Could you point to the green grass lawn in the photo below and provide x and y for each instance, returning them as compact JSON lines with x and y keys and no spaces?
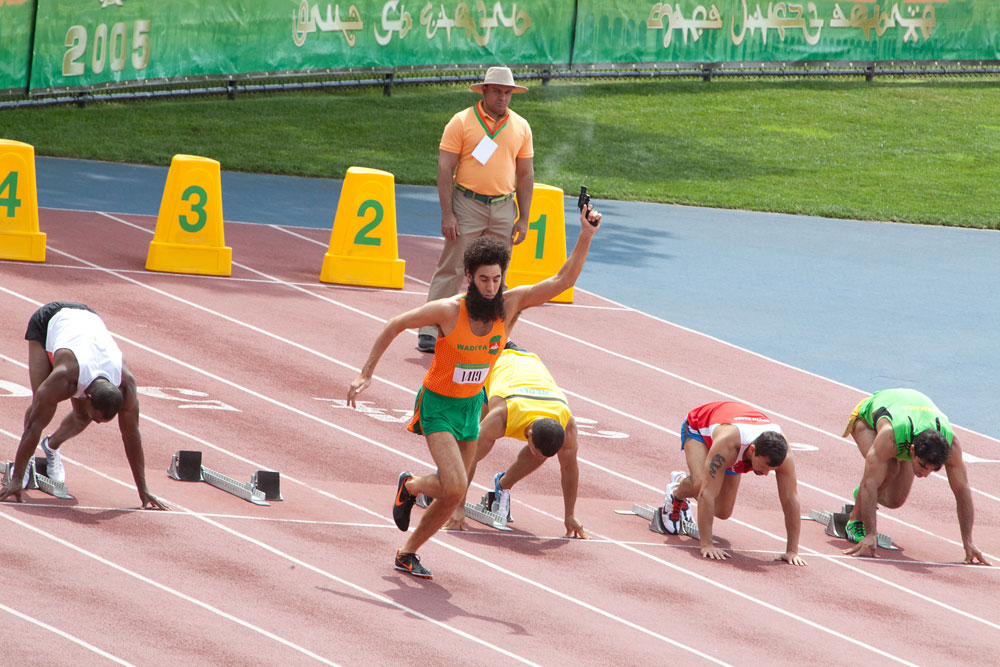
{"x":914,"y":150}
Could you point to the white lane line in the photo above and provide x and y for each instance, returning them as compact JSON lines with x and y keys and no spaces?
{"x":732,"y":591}
{"x":861,"y":393}
{"x":349,"y":503}
{"x":412,"y":392}
{"x":61,"y":633}
{"x":372,"y":513}
{"x":208,"y":310}
{"x":191,"y":277}
{"x":207,"y":518}
{"x":622,"y":476}
{"x":325,"y":422}
{"x":361,"y":508}
{"x":491,"y":565}
{"x":580,"y":341}
{"x":485,"y":533}
{"x":618,"y":306}
{"x":167,"y":589}
{"x":380,"y":598}
{"x":169,"y":515}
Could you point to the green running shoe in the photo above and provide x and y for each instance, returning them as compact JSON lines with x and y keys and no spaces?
{"x":855,"y":531}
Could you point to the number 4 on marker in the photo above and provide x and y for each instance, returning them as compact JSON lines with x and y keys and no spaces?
{"x":11,"y":202}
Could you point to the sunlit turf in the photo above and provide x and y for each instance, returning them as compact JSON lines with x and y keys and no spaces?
{"x":915,"y":150}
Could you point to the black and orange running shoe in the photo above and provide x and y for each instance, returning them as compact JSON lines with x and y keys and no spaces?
{"x":404,"y":503}
{"x":410,"y":564}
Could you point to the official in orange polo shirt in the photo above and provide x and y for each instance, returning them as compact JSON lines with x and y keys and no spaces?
{"x":485,"y":177}
{"x":472,"y":332}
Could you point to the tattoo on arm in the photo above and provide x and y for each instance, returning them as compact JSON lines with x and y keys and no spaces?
{"x":717,"y":462}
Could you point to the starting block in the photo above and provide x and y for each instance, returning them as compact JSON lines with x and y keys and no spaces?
{"x":37,"y":479}
{"x":651,"y":514}
{"x":483,"y":512}
{"x":264,"y":485}
{"x":836,"y":525}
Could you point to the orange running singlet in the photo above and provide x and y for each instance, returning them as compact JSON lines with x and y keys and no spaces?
{"x":462,"y":360}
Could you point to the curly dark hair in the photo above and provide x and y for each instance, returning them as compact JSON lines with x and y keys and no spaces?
{"x":485,"y":251}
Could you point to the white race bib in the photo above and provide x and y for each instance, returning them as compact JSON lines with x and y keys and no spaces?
{"x":470,"y":373}
{"x":484,"y":151}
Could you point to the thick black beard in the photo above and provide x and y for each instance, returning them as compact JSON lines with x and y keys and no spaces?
{"x":483,"y":309}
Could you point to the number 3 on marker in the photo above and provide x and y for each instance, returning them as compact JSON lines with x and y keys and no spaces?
{"x":197,"y":207}
{"x":362,"y":238}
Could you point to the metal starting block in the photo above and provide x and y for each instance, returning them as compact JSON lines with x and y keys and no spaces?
{"x":651,"y":514}
{"x":836,"y":525}
{"x":483,"y":512}
{"x":37,"y":479}
{"x":264,"y":485}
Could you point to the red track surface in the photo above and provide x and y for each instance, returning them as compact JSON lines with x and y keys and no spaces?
{"x":219,"y":581}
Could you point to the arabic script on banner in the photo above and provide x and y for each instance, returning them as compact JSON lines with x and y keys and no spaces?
{"x":917,"y":18}
{"x":478,"y":22}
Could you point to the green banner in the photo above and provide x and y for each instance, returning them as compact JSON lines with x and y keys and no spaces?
{"x":15,"y":42}
{"x":639,"y":31}
{"x":82,"y":43}
{"x":88,"y":42}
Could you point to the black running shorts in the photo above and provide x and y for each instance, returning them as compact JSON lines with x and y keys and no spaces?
{"x":38,"y":325}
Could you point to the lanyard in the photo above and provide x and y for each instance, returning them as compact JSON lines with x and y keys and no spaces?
{"x":483,"y":123}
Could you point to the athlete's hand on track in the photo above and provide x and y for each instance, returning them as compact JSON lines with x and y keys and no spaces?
{"x":455,"y":523}
{"x":575,"y":529}
{"x":359,"y":385}
{"x":866,"y":547}
{"x":714,"y":553}
{"x":12,"y":489}
{"x":972,"y":554}
{"x":149,"y":501}
{"x":792,"y":558}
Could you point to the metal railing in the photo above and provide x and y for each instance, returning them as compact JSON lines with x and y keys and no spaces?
{"x":387,"y":78}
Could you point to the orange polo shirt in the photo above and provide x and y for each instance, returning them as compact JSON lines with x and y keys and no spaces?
{"x":497,"y":177}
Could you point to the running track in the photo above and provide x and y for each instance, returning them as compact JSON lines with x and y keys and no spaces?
{"x":253,"y":370}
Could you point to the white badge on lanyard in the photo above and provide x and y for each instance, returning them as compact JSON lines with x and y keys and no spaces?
{"x":484,"y":151}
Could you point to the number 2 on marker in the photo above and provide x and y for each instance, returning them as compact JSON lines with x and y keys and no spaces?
{"x":362,"y":238}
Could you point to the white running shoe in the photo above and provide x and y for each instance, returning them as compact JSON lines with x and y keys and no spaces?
{"x":675,"y":510}
{"x":501,"y":503}
{"x":668,"y":495}
{"x":54,"y":468}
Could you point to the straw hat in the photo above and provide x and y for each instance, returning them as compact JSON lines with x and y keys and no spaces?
{"x":498,"y":76}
